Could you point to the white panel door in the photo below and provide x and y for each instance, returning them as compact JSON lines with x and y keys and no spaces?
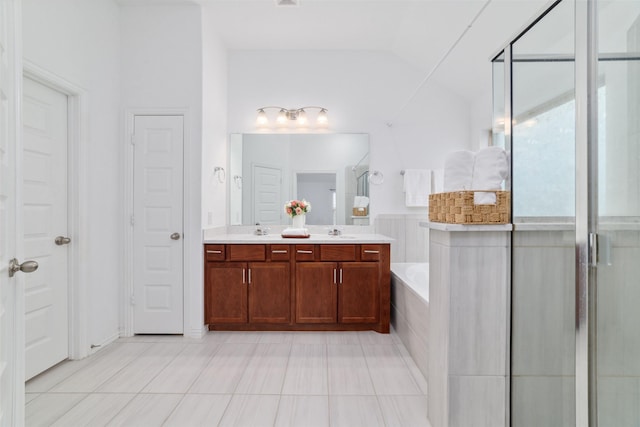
{"x":11,"y":318}
{"x":157,"y":225}
{"x":267,"y":194}
{"x":44,"y":192}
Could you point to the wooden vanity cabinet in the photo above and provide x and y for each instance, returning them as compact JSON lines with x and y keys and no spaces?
{"x":225,"y":292}
{"x":241,"y":292}
{"x":297,"y":287}
{"x":338,"y":284}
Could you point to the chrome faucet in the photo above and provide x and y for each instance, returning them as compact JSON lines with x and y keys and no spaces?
{"x":335,"y":231}
{"x":261,"y":230}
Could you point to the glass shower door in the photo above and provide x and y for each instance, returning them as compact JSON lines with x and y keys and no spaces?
{"x":543,"y":246}
{"x":618,"y":267}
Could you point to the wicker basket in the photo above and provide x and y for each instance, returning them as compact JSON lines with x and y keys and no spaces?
{"x":359,"y":211}
{"x":458,"y":208}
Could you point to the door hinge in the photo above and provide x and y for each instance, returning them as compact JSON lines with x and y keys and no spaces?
{"x":132,"y":220}
{"x":133,"y":139}
{"x":132,"y":300}
{"x":593,"y":249}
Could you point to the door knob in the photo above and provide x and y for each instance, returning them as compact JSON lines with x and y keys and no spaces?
{"x":61,"y":240}
{"x":25,"y":267}
{"x":175,"y":236}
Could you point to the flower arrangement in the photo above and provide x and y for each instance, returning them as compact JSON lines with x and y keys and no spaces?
{"x":297,"y":207}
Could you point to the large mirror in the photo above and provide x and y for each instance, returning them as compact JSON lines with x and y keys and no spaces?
{"x":330,"y":171}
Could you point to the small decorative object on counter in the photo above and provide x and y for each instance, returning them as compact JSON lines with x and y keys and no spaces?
{"x":297,"y":210}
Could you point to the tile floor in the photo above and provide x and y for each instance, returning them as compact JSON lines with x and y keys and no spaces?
{"x":304,"y":379}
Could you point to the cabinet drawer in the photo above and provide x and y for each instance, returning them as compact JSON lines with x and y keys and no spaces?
{"x":247,"y":252}
{"x":338,"y":252}
{"x":214,"y":252}
{"x":279,"y":252}
{"x":305,"y":252}
{"x":370,"y":252}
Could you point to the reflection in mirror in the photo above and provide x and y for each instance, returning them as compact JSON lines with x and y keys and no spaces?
{"x":330,"y":171}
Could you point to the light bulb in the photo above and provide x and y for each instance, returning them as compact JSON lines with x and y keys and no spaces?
{"x":302,"y":117}
{"x":262,"y":118}
{"x":282,"y":117}
{"x":322,"y":117}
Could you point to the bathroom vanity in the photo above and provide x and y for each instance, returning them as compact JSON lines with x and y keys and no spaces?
{"x":321,"y":283}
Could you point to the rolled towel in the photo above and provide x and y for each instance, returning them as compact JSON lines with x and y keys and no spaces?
{"x":490,"y":169}
{"x":458,"y":170}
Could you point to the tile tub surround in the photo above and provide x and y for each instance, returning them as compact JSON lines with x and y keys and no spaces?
{"x":411,"y":240}
{"x":410,"y":313}
{"x":468,"y":325}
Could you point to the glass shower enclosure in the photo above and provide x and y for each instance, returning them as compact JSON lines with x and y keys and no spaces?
{"x":567,"y":109}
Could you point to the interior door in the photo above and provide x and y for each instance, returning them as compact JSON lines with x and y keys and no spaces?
{"x":11,"y":301}
{"x":157,"y":223}
{"x":44,"y":190}
{"x":267,"y":194}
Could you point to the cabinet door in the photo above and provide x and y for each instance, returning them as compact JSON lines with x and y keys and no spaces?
{"x":269,"y":292}
{"x":226,"y":292}
{"x":358,"y":292}
{"x":316,"y":292}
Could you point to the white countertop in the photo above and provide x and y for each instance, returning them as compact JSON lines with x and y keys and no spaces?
{"x":312,"y":239}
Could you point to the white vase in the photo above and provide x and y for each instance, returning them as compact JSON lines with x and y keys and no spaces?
{"x":298,"y":221}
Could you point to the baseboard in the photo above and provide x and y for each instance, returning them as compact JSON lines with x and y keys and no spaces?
{"x":197,"y":333}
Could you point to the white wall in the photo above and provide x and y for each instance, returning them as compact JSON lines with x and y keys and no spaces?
{"x":214,"y":124}
{"x":79,"y":41}
{"x":162,"y":66}
{"x":363,"y":90}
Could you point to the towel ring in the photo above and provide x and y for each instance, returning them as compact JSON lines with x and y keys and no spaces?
{"x":376,"y":178}
{"x":220,"y":174}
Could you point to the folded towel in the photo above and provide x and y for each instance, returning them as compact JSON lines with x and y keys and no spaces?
{"x":360,"y":201}
{"x":295,"y":232}
{"x":417,"y":187}
{"x":458,"y":169}
{"x":490,"y":169}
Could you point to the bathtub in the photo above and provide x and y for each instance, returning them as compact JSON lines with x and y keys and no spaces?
{"x":410,"y":309}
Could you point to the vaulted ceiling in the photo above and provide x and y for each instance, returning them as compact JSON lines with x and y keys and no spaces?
{"x":450,"y":40}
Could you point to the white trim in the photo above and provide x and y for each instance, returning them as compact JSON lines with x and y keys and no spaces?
{"x":127,"y":191}
{"x":78,"y":118}
{"x":197,"y":332}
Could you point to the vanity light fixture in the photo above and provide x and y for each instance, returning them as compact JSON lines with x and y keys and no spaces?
{"x":287,"y":115}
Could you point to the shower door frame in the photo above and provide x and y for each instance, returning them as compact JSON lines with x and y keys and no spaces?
{"x":586,"y":187}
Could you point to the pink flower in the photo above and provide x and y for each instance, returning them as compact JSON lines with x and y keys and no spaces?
{"x":289,"y":210}
{"x":298,"y":210}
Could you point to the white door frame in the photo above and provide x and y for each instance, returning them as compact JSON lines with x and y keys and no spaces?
{"x":188,"y":239}
{"x":78,"y":192}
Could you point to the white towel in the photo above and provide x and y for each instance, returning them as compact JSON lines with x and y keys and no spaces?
{"x":360,"y":201}
{"x":295,"y":232}
{"x":490,"y":169}
{"x":438,"y":181}
{"x":417,"y":187}
{"x":458,"y":170}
